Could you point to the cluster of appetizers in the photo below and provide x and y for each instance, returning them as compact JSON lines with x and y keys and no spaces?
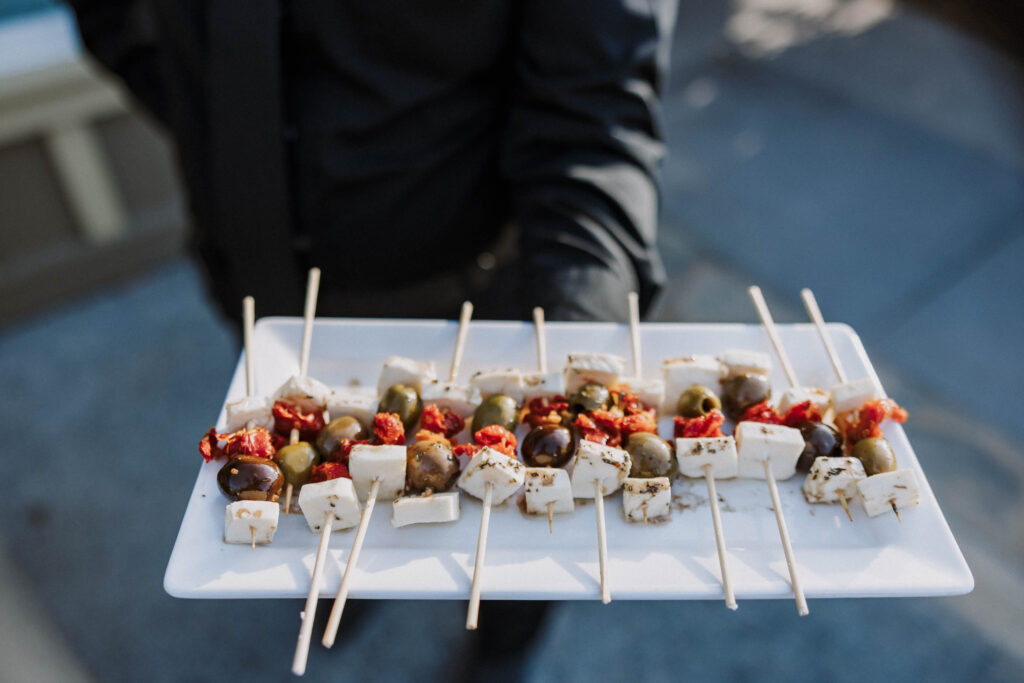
{"x":421,"y":439}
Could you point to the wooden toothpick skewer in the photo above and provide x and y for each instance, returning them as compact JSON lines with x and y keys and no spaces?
{"x":312,"y":289}
{"x":473,"y":613}
{"x":542,"y":345}
{"x":602,"y":542}
{"x":773,"y":334}
{"x":811,"y":304}
{"x":306,"y":631}
{"x":634,"y":331}
{"x":331,"y":632}
{"x":460,"y":339}
{"x":248,"y":322}
{"x":551,"y":521}
{"x":787,"y":547}
{"x":769,"y":327}
{"x":716,"y":520}
{"x":845,"y":503}
{"x":252,"y":533}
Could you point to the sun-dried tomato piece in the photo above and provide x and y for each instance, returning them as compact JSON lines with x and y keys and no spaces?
{"x":328,"y":470}
{"x":441,"y":421}
{"x":388,"y":429}
{"x":610,"y":423}
{"x":865,"y":421}
{"x":589,"y":431}
{"x":761,"y":412}
{"x":801,"y":413}
{"x":643,"y":421}
{"x":544,"y":410}
{"x":298,"y":412}
{"x":498,"y":438}
{"x":256,"y":441}
{"x":629,"y":403}
{"x":344,"y":450}
{"x":699,"y":427}
{"x":467,"y":449}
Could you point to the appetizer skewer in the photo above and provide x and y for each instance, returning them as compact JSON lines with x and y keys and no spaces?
{"x":309,"y":313}
{"x":547,"y":483}
{"x":885,"y":485}
{"x":647,"y":490}
{"x":819,"y":486}
{"x":769,"y":474}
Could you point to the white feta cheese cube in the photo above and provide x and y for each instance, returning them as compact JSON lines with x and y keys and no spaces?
{"x":548,"y":485}
{"x":488,"y":466}
{"x":337,"y":496}
{"x":583,"y":367}
{"x":304,"y":386}
{"x":651,"y":392}
{"x":401,"y":370}
{"x":757,"y":442}
{"x":606,"y":464}
{"x":679,"y":374}
{"x":746,"y":361}
{"x":879,"y":491}
{"x":647,"y":500}
{"x":508,"y":382}
{"x":254,"y":409}
{"x":246,"y":520}
{"x":455,"y":397}
{"x":717,"y":451}
{"x":358,"y":402}
{"x":852,"y":395}
{"x":436,"y":508}
{"x":386,"y":463}
{"x":538,"y":384}
{"x":794,"y":396}
{"x":829,"y":476}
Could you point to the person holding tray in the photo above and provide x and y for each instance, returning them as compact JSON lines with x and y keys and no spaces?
{"x":420,"y":154}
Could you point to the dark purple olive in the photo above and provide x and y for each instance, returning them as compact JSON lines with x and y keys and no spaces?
{"x":430,"y":465}
{"x":742,"y":391}
{"x":249,"y":477}
{"x":820,"y":440}
{"x":549,"y":446}
{"x":331,"y":436}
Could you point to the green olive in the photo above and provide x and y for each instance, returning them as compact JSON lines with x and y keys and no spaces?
{"x":296,"y":462}
{"x":430,"y":465}
{"x":496,"y":409}
{"x":739,"y":392}
{"x":651,"y":455}
{"x":344,"y":427}
{"x":589,"y":397}
{"x":875,"y":454}
{"x":697,"y":401}
{"x":403,"y":400}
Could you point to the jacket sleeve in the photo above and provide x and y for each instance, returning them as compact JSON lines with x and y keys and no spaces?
{"x":122,"y":36}
{"x":582,"y":149}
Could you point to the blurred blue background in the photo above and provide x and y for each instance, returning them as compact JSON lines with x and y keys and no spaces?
{"x":871,"y":150}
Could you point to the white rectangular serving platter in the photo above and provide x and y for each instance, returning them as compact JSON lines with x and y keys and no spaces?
{"x":878,"y":557}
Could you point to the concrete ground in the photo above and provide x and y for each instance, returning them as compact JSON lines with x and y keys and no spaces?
{"x":872,"y":154}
